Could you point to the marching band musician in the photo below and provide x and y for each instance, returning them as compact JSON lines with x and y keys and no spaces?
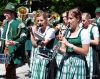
{"x":74,"y":48}
{"x":29,"y":22}
{"x":94,"y":37}
{"x":23,"y":16}
{"x":64,"y":24}
{"x":40,"y":58}
{"x":13,"y":40}
{"x":97,"y":13}
{"x":97,"y":55}
{"x":63,"y":29}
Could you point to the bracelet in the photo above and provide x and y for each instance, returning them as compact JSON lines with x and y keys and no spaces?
{"x":70,"y":45}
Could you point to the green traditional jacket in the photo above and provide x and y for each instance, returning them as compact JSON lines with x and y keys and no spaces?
{"x":17,"y":32}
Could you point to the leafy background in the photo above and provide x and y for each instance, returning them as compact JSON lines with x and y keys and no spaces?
{"x":54,"y":5}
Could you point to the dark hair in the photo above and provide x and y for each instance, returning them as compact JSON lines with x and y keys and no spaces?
{"x":11,"y":12}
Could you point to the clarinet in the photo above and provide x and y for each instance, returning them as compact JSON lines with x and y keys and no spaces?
{"x":67,"y":32}
{"x":66,"y":35}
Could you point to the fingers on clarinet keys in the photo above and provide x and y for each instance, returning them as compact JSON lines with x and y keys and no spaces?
{"x":39,"y":42}
{"x":29,"y":28}
{"x":60,"y":38}
{"x":70,"y":45}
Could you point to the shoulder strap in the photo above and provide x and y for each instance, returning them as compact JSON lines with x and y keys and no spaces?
{"x":80,"y":31}
{"x":91,"y":34}
{"x":91,"y":28}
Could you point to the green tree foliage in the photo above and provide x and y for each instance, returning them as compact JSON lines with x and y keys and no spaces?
{"x":59,"y":5}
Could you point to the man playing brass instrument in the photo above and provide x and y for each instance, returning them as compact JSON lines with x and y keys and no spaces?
{"x":22,"y":13}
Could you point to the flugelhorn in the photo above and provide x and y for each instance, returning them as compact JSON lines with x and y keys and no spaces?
{"x":54,"y":19}
{"x":22,"y":12}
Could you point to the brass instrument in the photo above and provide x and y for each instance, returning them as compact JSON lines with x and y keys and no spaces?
{"x":54,"y":19}
{"x":22,"y":12}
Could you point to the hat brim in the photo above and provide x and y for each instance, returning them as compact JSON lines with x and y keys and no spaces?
{"x":6,"y":10}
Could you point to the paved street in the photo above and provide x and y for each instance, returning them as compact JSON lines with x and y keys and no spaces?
{"x":22,"y":71}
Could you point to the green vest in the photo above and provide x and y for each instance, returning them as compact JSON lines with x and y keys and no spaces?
{"x":75,"y":41}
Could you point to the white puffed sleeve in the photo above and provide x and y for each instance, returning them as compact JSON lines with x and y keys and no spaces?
{"x":50,"y":34}
{"x":95,"y":31}
{"x":85,"y":36}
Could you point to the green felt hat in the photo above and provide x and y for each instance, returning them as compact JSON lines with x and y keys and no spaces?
{"x":10,"y":7}
{"x":97,"y":9}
